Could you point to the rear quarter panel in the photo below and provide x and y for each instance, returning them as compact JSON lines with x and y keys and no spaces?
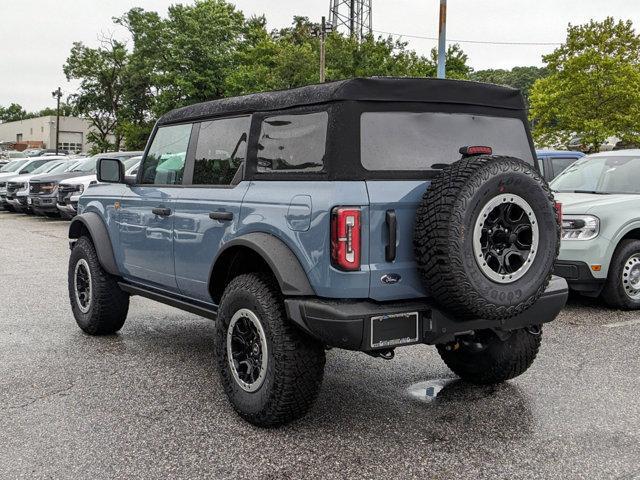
{"x":280,"y":207}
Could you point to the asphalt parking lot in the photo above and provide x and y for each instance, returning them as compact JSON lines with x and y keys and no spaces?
{"x":146,"y":403}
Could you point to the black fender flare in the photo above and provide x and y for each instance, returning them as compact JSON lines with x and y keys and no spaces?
{"x":93,"y":223}
{"x":281,"y":260}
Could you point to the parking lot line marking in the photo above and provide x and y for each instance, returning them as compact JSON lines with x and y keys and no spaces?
{"x":623,"y":324}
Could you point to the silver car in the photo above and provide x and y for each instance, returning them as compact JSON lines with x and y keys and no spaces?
{"x":600,"y":249}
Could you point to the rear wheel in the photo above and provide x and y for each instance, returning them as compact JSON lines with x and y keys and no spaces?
{"x":484,"y":358}
{"x":622,"y":288}
{"x":270,"y":370}
{"x":99,"y":306}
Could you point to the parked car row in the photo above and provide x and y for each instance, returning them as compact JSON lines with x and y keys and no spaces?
{"x":51,"y":185}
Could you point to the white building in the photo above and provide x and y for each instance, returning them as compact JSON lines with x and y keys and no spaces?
{"x":42,"y":131}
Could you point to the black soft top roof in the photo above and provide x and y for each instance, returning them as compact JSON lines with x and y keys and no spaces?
{"x":382,"y":89}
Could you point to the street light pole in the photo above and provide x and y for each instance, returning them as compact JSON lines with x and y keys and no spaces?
{"x":57,"y":94}
{"x":442,"y":39}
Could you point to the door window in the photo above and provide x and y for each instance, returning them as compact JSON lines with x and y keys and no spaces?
{"x":164,"y":163}
{"x":221,"y":151}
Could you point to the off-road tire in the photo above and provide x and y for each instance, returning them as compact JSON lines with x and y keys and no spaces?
{"x":109,"y":305}
{"x":295,"y":364}
{"x":613,"y":292}
{"x":443,"y":235}
{"x":501,"y":360}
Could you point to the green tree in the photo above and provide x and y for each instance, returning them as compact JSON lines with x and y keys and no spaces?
{"x":102,"y":73}
{"x":66,"y":110}
{"x":187,"y":55}
{"x":12,"y":113}
{"x":290,"y":58}
{"x":521,"y":78}
{"x":593,"y":87}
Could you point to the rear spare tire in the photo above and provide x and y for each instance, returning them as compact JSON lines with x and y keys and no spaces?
{"x":486,"y":237}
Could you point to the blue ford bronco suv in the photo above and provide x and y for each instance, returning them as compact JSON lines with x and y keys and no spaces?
{"x":365,"y":214}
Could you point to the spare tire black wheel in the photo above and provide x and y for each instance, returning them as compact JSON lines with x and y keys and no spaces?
{"x":486,"y":237}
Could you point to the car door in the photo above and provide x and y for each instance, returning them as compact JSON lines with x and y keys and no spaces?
{"x":145,"y":216}
{"x":207,"y":209}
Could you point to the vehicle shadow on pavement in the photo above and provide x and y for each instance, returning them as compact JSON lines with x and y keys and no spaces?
{"x":434,"y":410}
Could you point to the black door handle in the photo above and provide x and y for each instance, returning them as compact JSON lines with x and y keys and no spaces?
{"x":222,"y":216}
{"x":392,"y":225}
{"x":161,"y":211}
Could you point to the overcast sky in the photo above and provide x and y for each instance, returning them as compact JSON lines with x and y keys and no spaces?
{"x":36,"y":35}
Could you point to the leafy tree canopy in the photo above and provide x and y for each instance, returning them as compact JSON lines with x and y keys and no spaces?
{"x":209,"y":50}
{"x":521,"y":78}
{"x":15,"y":112}
{"x":593,"y":86}
{"x":102,"y":73}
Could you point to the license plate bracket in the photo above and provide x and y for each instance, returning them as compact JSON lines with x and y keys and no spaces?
{"x":394,"y":329}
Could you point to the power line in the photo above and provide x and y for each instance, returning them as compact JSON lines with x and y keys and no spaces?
{"x":483,"y":42}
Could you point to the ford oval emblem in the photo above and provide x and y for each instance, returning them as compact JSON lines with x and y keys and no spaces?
{"x":390,"y":278}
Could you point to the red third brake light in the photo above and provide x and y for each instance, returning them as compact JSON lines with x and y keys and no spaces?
{"x":345,"y":238}
{"x":475,"y":150}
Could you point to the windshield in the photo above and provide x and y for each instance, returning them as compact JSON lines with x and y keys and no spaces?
{"x":130,"y":162}
{"x":88,"y":165}
{"x":13,"y":166}
{"x":47,"y":167}
{"x":60,"y":167}
{"x":67,"y":166}
{"x":606,"y":174}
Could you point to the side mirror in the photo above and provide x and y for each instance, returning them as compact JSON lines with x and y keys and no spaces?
{"x":110,"y":170}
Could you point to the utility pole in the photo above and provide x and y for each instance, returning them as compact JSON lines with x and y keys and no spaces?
{"x":322,"y":34}
{"x":442,"y":40}
{"x":352,"y":18}
{"x":57,"y":94}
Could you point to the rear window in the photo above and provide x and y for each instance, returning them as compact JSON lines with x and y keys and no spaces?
{"x":418,"y":140}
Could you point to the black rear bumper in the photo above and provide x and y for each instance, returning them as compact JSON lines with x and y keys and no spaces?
{"x":348,"y":324}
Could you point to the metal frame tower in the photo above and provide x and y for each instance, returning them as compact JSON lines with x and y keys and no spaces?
{"x":354,"y":16}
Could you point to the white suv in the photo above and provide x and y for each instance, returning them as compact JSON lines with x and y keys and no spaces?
{"x":600,"y":250}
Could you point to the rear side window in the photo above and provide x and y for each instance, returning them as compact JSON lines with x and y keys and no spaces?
{"x":221,"y":151}
{"x":293,"y":143}
{"x":418,"y":140}
{"x":164,"y":164}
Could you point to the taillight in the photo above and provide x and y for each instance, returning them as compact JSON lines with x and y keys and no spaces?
{"x":558,"y":207}
{"x":345,"y":238}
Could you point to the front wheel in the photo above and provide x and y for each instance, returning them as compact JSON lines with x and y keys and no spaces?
{"x":99,"y":305}
{"x":484,"y":358}
{"x":270,"y":370}
{"x":622,"y":288}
